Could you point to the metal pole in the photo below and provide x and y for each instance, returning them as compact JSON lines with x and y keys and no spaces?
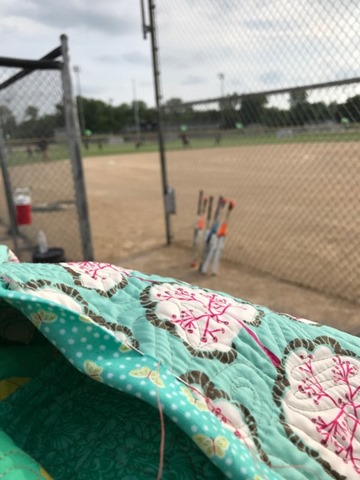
{"x":156,"y":73}
{"x":73,"y":134}
{"x":8,"y":193}
{"x":221,"y":77}
{"x":136,"y":112}
{"x":111,"y":102}
{"x":77,"y":71}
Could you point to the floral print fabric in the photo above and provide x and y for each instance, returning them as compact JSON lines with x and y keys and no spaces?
{"x":262,"y":395}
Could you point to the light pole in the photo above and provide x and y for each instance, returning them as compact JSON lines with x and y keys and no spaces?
{"x":221,"y":77}
{"x":81,"y":107}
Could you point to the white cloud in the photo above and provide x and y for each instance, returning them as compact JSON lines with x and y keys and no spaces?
{"x":258,"y":44}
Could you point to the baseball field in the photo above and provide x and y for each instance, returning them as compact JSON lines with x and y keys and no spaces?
{"x":297,"y":214}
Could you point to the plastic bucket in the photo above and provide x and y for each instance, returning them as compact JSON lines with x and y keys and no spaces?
{"x":53,"y":255}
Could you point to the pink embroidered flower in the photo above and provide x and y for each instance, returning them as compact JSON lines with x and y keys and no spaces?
{"x":322,"y":405}
{"x":203,"y":319}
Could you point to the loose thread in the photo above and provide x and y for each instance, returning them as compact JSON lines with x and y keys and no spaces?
{"x":162,"y":427}
{"x":254,"y":457}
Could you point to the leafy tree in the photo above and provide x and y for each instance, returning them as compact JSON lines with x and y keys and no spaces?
{"x":275,"y":117}
{"x":31,"y":113}
{"x":298,"y":97}
{"x":352,"y":106}
{"x":228,"y":107}
{"x":7,"y":120}
{"x":175,"y":106}
{"x":252,"y":109}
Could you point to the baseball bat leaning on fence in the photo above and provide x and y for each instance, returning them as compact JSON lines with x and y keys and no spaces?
{"x":207,"y":230}
{"x":208,"y":220}
{"x":199,"y":232}
{"x":211,"y":240}
{"x":198,"y":215}
{"x":196,"y":226}
{"x":221,"y":234}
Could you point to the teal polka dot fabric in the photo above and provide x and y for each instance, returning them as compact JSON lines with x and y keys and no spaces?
{"x":258,"y":395}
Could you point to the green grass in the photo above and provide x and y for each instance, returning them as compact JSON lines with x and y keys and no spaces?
{"x":226,"y":141}
{"x":58,"y":152}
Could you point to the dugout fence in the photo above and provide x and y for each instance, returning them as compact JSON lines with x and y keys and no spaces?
{"x":263,"y":98}
{"x":40,"y":153}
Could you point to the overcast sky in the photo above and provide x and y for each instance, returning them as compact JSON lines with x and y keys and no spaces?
{"x":256,"y":44}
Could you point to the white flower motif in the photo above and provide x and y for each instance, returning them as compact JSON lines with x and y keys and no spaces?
{"x":100,"y":276}
{"x":322,"y":406}
{"x":204,"y":320}
{"x":57,"y":297}
{"x":232,"y":419}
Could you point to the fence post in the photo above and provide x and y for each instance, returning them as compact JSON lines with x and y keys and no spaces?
{"x":73,"y":132}
{"x":156,"y":73}
{"x":8,"y":193}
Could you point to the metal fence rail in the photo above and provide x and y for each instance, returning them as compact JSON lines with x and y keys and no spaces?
{"x":264,"y":97}
{"x":41,"y":153}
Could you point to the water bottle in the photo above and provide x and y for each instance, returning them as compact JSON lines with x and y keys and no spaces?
{"x":42,"y":242}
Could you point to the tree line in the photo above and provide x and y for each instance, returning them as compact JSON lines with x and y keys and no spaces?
{"x":99,"y":117}
{"x":254,"y":110}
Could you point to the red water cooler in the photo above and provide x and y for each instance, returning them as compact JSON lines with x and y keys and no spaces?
{"x":22,"y":200}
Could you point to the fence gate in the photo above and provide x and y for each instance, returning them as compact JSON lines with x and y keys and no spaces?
{"x":40,"y":153}
{"x":261,"y":104}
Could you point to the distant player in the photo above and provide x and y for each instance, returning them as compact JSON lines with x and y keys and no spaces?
{"x":43,"y":147}
{"x":185,"y":140}
{"x":217,"y":139}
{"x":29,"y":151}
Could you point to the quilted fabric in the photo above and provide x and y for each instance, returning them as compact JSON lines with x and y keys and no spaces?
{"x":15,"y":464}
{"x":84,"y":430}
{"x":263,"y":395}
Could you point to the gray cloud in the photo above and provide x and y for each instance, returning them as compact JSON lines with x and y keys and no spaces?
{"x":179,"y":61}
{"x":89,"y":90}
{"x":106,"y":16}
{"x":146,"y":83}
{"x":271,"y":78}
{"x":266,"y":25}
{"x":257,"y":45}
{"x":106,"y":58}
{"x":347,"y":72}
{"x":137,"y":58}
{"x":193,"y":80}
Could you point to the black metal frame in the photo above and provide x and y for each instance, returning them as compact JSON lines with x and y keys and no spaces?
{"x":44,"y":63}
{"x":50,"y":62}
{"x":168,"y":193}
{"x":242,"y":96}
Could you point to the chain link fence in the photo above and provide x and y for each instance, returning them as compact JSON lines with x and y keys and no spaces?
{"x":264,"y":99}
{"x":38,"y":164}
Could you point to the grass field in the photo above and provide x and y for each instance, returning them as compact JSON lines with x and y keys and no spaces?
{"x":18,"y":156}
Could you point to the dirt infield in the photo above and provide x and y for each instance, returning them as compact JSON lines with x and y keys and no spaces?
{"x":125,"y":204}
{"x":298,"y":208}
{"x":297,"y":217}
{"x":297,"y":213}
